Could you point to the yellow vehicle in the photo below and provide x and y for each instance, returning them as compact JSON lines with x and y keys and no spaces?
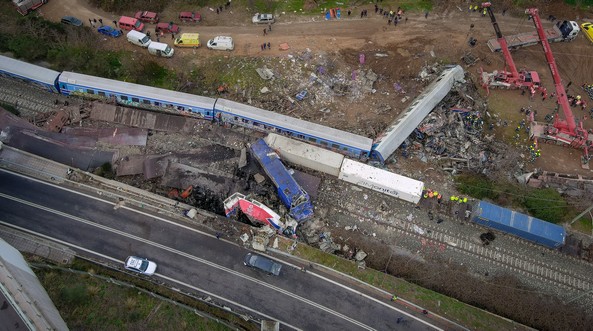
{"x":588,"y":30}
{"x":188,"y":40}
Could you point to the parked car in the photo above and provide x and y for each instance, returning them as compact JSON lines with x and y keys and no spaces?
{"x":140,"y":265}
{"x":109,"y":31}
{"x":147,"y":17}
{"x":588,"y":30}
{"x":222,"y":43}
{"x":262,"y":263}
{"x":190,"y":17}
{"x":71,"y":20}
{"x":263,"y":18}
{"x":167,"y":27}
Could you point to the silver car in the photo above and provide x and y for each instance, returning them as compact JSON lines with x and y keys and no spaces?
{"x":262,"y":263}
{"x":263,"y":18}
{"x":140,"y":265}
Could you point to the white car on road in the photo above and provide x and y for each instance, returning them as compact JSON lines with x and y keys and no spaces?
{"x":140,"y":265}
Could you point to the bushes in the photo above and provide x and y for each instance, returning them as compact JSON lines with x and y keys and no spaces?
{"x":546,"y":204}
{"x":476,"y":186}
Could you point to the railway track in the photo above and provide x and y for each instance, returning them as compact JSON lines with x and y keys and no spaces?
{"x":26,"y":99}
{"x":511,"y":260}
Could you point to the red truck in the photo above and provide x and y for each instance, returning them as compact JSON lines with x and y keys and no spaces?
{"x":147,"y":17}
{"x":26,"y":6}
{"x":189,"y":17}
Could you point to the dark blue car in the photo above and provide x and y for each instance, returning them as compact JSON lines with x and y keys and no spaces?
{"x":109,"y":31}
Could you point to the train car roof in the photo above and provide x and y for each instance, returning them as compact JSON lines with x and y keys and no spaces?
{"x":27,"y":70}
{"x":141,"y":91}
{"x":294,"y":124}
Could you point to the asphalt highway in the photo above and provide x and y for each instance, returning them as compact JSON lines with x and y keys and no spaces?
{"x":193,"y":260}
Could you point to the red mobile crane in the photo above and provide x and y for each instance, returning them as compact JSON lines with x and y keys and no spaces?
{"x":507,"y":79}
{"x":564,"y":131}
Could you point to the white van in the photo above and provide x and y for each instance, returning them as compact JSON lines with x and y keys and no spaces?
{"x":138,"y":38}
{"x":160,"y":49}
{"x":222,"y":43}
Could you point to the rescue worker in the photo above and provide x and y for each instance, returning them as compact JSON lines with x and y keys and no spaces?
{"x":464,"y":200}
{"x":439,"y":198}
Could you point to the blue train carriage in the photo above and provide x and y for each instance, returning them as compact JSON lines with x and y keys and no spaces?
{"x":520,"y":225}
{"x":290,"y":192}
{"x":34,"y":75}
{"x":262,"y":120}
{"x":135,"y":95}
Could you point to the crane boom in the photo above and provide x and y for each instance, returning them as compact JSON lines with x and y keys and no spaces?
{"x":503,"y":78}
{"x":503,"y":42}
{"x":568,"y":125}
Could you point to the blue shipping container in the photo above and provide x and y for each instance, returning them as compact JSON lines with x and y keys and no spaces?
{"x":521,"y":225}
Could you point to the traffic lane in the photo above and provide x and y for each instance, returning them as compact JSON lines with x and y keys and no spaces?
{"x":230,"y":285}
{"x":195,"y":243}
{"x":85,"y":205}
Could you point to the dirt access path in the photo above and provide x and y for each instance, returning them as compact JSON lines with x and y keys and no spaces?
{"x":417,"y":42}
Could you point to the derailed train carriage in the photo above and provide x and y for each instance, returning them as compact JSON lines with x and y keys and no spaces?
{"x":212,"y":109}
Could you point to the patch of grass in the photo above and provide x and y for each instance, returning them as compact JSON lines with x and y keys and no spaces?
{"x":476,"y":186}
{"x":583,"y":225}
{"x":236,"y":72}
{"x":11,"y":109}
{"x":90,"y":303}
{"x":451,"y":308}
{"x":579,"y":3}
{"x":546,"y":204}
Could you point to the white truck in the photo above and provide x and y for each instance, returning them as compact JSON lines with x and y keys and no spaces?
{"x":138,"y":38}
{"x":160,"y":49}
{"x":561,"y":31}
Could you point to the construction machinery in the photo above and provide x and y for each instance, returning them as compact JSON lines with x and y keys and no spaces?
{"x":512,"y":79}
{"x":563,"y":131}
{"x":561,"y":31}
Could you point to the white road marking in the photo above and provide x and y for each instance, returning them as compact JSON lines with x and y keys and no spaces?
{"x":172,"y":250}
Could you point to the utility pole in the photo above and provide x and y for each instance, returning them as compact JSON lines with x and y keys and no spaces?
{"x":581,"y":214}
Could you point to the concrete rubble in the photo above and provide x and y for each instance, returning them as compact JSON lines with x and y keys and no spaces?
{"x":455,"y":135}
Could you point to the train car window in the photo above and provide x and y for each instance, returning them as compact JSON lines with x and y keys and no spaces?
{"x":236,"y":118}
{"x":101,"y":93}
{"x":146,"y":102}
{"x":135,"y":100}
{"x":180,"y":108}
{"x":124,"y":98}
{"x":244,"y":120}
{"x":255,"y":124}
{"x":300,"y":136}
{"x":324,"y":143}
{"x":89,"y":91}
{"x":156,"y":103}
{"x":207,"y":113}
{"x":312,"y":139}
{"x":63,"y":86}
{"x":335,"y":146}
